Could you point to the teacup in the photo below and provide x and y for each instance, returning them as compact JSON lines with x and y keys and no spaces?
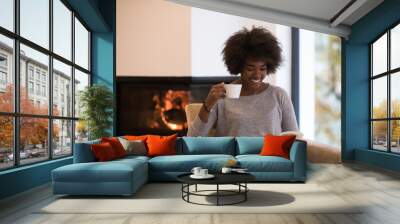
{"x":196,"y":170}
{"x":203,"y":172}
{"x":226,"y":170}
{"x":232,"y":90}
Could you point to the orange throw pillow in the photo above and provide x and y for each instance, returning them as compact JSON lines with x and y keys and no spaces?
{"x":116,"y":145}
{"x":277,"y":145}
{"x":161,"y":145}
{"x":135,"y":138}
{"x":103,"y":152}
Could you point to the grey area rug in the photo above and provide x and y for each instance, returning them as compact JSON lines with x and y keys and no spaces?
{"x":166,"y":198}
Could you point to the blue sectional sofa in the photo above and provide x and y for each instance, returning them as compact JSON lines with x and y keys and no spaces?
{"x":125,"y":176}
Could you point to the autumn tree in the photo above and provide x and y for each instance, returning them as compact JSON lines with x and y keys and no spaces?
{"x":33,"y":131}
{"x":379,"y":128}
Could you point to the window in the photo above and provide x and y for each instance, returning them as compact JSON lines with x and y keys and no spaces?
{"x":62,"y":74}
{"x":43,"y":90}
{"x":3,"y":61}
{"x":62,"y":29}
{"x":30,"y":87}
{"x":38,"y":89}
{"x":34,"y":21}
{"x":3,"y":72}
{"x":6,"y":73}
{"x":320,"y":87}
{"x":37,"y":74}
{"x":3,"y":78}
{"x":81,"y":45}
{"x":30,"y":72}
{"x":45,"y":131}
{"x":7,"y":14}
{"x":385,"y":97}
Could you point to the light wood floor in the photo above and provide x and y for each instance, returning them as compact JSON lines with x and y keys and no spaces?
{"x":379,"y":189}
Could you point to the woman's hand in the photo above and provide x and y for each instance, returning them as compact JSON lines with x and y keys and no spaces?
{"x":216,"y":92}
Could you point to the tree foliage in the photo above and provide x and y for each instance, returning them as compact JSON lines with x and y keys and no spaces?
{"x":96,"y":102}
{"x":379,"y":128}
{"x":328,"y":89}
{"x":33,"y":131}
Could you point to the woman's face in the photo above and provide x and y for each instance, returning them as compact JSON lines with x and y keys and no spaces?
{"x":253,"y":73}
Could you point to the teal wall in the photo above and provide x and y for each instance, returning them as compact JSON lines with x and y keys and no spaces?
{"x":355,"y":83}
{"x":99,"y":15}
{"x":103,"y":64}
{"x":103,"y":55}
{"x":24,"y":178}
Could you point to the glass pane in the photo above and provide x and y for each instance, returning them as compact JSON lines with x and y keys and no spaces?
{"x":81,"y":45}
{"x":379,"y":98}
{"x":62,"y":89}
{"x":379,"y":135}
{"x":395,"y":94}
{"x":6,"y":142}
{"x":34,"y":96}
{"x":81,"y":132}
{"x":81,"y":81}
{"x":6,"y":74}
{"x":33,"y":139}
{"x":379,"y":55}
{"x":395,"y":136}
{"x":395,"y":47}
{"x":62,"y":138}
{"x":62,"y":29}
{"x":35,"y":21}
{"x":7,"y":14}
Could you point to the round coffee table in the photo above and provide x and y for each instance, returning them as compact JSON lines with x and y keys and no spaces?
{"x":238,"y":179}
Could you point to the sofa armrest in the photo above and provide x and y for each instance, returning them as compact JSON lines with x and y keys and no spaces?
{"x":298,"y":155}
{"x":83,"y":152}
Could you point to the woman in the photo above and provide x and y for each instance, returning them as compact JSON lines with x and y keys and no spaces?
{"x":261,"y":108}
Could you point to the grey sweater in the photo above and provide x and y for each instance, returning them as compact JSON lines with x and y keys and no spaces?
{"x":268,"y":112}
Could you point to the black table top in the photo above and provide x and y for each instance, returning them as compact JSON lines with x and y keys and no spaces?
{"x":220,"y":178}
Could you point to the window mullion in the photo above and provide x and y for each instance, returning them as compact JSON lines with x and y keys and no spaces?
{"x":50,"y":81}
{"x":389,"y":106}
{"x":16,"y":84}
{"x":73,"y":82}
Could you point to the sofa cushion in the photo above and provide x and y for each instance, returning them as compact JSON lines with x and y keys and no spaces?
{"x":249,"y":145}
{"x":208,"y":145}
{"x":83,"y":152}
{"x":185,"y":163}
{"x":257,"y":163}
{"x":111,"y":171}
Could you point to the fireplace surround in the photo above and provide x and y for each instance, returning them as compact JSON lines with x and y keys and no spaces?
{"x":155,"y":105}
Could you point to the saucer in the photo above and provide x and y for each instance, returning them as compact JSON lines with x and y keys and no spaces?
{"x":208,"y":176}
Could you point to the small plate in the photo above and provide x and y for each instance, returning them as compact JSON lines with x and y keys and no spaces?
{"x":208,"y":176}
{"x":240,"y":171}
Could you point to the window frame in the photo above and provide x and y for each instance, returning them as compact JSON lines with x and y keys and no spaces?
{"x":388,"y":74}
{"x":16,"y":114}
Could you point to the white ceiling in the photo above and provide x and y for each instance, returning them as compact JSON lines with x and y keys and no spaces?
{"x":315,"y":15}
{"x":320,"y":9}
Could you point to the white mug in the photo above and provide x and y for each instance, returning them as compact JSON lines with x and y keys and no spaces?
{"x":203,"y":172}
{"x":226,"y":170}
{"x":232,"y":90}
{"x":196,"y":170}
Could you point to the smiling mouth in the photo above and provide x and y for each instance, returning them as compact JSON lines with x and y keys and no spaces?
{"x":256,"y":81}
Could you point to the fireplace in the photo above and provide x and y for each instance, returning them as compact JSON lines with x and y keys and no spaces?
{"x":156,"y":105}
